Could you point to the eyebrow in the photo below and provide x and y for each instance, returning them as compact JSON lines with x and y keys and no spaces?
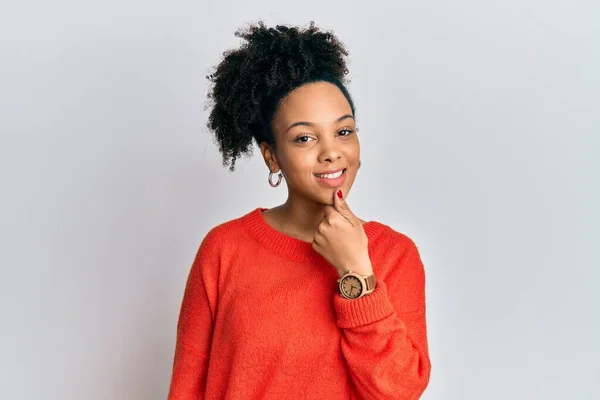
{"x":306,"y":123}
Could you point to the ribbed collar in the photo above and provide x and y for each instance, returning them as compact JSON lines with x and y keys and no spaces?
{"x":287,"y":246}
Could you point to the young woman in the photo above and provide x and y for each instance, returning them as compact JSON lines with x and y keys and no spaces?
{"x":304,"y":300}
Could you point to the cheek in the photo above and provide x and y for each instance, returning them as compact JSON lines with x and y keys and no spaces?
{"x":357,"y":150}
{"x":297,"y":167}
{"x":352,"y":151}
{"x":353,"y":157}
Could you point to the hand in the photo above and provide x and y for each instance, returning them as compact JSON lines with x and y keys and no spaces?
{"x":341,"y":239}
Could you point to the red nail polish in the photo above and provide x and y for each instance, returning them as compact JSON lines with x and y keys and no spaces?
{"x":339,"y":194}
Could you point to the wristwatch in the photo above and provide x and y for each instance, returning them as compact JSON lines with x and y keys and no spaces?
{"x":353,"y":286}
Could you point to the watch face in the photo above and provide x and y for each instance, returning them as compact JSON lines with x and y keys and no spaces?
{"x":351,"y":287}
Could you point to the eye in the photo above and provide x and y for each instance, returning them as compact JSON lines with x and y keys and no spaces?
{"x":300,"y":139}
{"x":348,"y":132}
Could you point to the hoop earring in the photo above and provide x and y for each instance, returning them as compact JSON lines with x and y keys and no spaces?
{"x":280,"y":176}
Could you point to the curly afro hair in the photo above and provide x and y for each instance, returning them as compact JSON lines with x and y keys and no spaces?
{"x":248,"y":84}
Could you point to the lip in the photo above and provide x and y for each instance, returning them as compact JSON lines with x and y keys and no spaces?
{"x":333,"y":183}
{"x":331,"y":171}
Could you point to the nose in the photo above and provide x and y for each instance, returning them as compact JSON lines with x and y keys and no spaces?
{"x":330,"y":152}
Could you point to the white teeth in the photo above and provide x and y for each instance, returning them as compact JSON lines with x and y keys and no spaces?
{"x":331,"y":176}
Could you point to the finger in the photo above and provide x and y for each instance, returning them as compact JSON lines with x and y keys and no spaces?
{"x":328,"y":210}
{"x":315,"y":246}
{"x":339,"y":202}
{"x":329,"y":213}
{"x":316,"y":239}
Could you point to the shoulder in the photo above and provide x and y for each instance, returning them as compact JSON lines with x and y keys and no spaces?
{"x":224,"y":235}
{"x":392,"y":244}
{"x":396,"y":258}
{"x":224,"y":231}
{"x":387,"y":236}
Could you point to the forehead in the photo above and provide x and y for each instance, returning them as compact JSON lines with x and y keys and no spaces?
{"x":319,"y":102}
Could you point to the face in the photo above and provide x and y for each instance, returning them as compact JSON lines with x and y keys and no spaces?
{"x":315,"y":134}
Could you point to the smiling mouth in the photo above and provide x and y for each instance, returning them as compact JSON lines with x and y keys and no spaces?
{"x":331,"y":176}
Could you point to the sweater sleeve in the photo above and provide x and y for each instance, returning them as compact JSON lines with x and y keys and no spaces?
{"x":195,"y":326}
{"x":384,"y":338}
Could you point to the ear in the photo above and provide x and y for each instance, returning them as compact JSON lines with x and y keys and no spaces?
{"x":268,"y":153}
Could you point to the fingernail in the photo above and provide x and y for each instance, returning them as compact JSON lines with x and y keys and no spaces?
{"x":339,"y":194}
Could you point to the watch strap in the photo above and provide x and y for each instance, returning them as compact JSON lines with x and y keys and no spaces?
{"x":371,"y":282}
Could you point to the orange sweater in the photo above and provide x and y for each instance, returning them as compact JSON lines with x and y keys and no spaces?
{"x":261,"y":319}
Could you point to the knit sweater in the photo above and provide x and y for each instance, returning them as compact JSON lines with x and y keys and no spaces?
{"x":261,"y":318}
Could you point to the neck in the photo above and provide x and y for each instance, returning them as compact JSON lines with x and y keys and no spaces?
{"x":298,"y":218}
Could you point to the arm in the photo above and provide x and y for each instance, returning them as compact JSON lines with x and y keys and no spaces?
{"x":195,"y":326}
{"x":384,"y":338}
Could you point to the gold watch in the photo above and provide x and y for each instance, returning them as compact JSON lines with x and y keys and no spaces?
{"x":353,"y":286}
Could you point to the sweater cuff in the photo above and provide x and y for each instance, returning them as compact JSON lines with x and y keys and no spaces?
{"x":365,"y":310}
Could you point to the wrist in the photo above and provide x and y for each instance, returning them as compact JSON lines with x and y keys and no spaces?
{"x":353,"y":285}
{"x":363,"y":268}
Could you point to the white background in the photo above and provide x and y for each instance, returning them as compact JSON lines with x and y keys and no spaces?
{"x":476,"y":122}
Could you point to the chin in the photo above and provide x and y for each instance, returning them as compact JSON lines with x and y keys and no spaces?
{"x":329,"y":199}
{"x":322,"y":197}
